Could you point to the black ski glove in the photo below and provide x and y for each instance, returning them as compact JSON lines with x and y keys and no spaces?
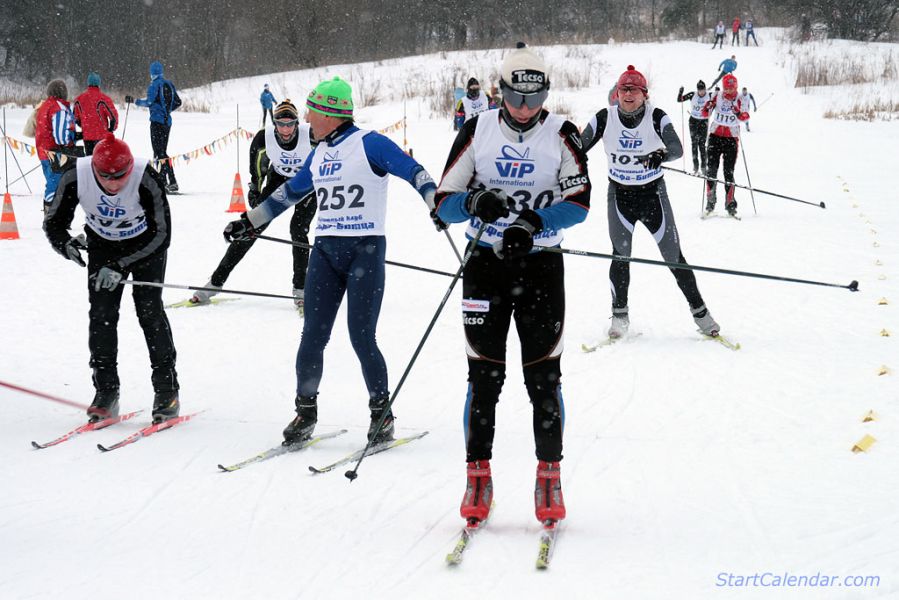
{"x":653,"y":160}
{"x":72,"y":249}
{"x":518,"y":238}
{"x":438,"y":222}
{"x":129,"y":99}
{"x":239,"y":230}
{"x":253,"y":195}
{"x":488,"y":205}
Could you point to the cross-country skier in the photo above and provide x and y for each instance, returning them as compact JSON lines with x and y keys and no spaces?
{"x":474,"y":102}
{"x":725,"y":67}
{"x":127,"y":231}
{"x":745,"y":100}
{"x":719,"y":35}
{"x":276,"y":154}
{"x":521,"y":170}
{"x":726,"y":111}
{"x":638,"y":138}
{"x":346,"y":173}
{"x":699,"y":125}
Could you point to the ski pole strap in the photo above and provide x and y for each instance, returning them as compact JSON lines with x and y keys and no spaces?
{"x":752,"y":189}
{"x":852,"y":286}
{"x":202,"y":289}
{"x":269,"y":238}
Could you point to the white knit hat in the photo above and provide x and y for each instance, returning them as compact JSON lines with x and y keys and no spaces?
{"x":524,"y":71}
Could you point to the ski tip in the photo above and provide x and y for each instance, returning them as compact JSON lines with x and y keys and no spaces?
{"x":36,"y":445}
{"x":102,"y":448}
{"x":314,"y":470}
{"x":225,"y":469}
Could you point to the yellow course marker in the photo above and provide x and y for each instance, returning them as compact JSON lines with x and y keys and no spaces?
{"x":884,"y":333}
{"x":883,"y":370}
{"x":870,"y":416}
{"x":882,"y":302}
{"x":864,"y":444}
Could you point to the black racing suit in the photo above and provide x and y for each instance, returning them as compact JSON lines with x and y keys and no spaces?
{"x":646,"y":203}
{"x":261,"y":170}
{"x":699,"y":131}
{"x":144,"y":258}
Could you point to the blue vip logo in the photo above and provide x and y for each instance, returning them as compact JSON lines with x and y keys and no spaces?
{"x":330,"y":165}
{"x":110,"y":210}
{"x":290,"y":160}
{"x":512,"y":163}
{"x":629,"y":140}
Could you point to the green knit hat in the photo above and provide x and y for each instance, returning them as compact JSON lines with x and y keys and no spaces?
{"x":333,"y":97}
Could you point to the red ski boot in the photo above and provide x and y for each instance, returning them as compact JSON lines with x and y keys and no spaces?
{"x":478,"y":492}
{"x":548,"y":501}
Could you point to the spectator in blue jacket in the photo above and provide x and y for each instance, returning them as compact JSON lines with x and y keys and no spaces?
{"x":267,"y":100}
{"x":162,"y":98}
{"x":728,"y":65}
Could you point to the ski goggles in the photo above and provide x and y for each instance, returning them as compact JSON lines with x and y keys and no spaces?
{"x":628,"y":89}
{"x":517,"y":99}
{"x":285,"y":122}
{"x":113,"y":176}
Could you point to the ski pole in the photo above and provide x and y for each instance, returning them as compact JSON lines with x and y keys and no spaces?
{"x":353,"y":473}
{"x":745,"y":166}
{"x":28,"y":172}
{"x":201,"y":289}
{"x":125,"y":121}
{"x":389,"y":262}
{"x":765,"y":100}
{"x":760,"y":191}
{"x":43,"y":395}
{"x":852,"y":286}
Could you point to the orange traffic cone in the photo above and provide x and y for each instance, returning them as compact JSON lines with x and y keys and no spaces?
{"x":237,"y":202}
{"x":8,"y":228}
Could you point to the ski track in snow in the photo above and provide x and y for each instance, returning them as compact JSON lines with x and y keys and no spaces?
{"x":683,"y":459}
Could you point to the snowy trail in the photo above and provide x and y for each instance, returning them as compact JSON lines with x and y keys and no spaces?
{"x":683,"y":460}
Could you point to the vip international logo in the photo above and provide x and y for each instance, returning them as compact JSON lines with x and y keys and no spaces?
{"x":630,"y":140}
{"x":111,"y":209}
{"x":514,"y":164}
{"x":331,"y":164}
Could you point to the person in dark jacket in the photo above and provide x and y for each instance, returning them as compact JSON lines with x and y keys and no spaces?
{"x":95,"y":113}
{"x":162,"y":98}
{"x":54,"y":134}
{"x":127,"y":231}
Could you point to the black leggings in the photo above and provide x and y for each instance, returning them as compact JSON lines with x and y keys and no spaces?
{"x":104,"y":317}
{"x":726,"y":148}
{"x":648,"y":204}
{"x":532,"y":292}
{"x":159,"y":139}
{"x":699,"y":131}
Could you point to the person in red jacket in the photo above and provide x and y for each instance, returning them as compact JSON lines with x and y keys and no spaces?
{"x":54,"y":133}
{"x":95,"y":113}
{"x":725,"y":112}
{"x":735,"y":28}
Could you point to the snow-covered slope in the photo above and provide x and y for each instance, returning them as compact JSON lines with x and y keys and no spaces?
{"x":683,"y":460}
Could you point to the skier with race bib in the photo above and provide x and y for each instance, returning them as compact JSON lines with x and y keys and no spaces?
{"x":346,"y":174}
{"x":519,"y":170}
{"x":699,"y":125}
{"x":277,"y":153}
{"x":638,"y":138}
{"x":725,"y":111}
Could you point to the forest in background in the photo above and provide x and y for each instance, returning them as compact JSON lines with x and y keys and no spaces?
{"x":204,"y":40}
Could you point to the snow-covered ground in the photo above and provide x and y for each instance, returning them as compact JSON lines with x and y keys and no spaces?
{"x":684,"y":462}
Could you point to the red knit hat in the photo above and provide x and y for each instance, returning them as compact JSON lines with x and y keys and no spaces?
{"x":112,"y":157}
{"x":634,"y":78}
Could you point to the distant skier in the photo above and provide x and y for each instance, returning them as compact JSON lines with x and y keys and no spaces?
{"x":726,"y":112}
{"x":520,"y":169}
{"x":54,"y":135}
{"x":750,"y":31}
{"x":267,"y":100}
{"x":95,"y":113}
{"x":276,"y":154}
{"x":474,"y":102}
{"x":127,"y":231}
{"x":638,"y":138}
{"x":346,"y":174}
{"x":735,"y":28}
{"x":162,"y":98}
{"x":719,"y":35}
{"x":728,"y":65}
{"x":699,"y":125}
{"x":745,"y":99}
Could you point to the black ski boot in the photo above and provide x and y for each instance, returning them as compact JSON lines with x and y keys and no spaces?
{"x":378,"y":406}
{"x":302,"y":426}
{"x":165,"y":406}
{"x":105,"y":405}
